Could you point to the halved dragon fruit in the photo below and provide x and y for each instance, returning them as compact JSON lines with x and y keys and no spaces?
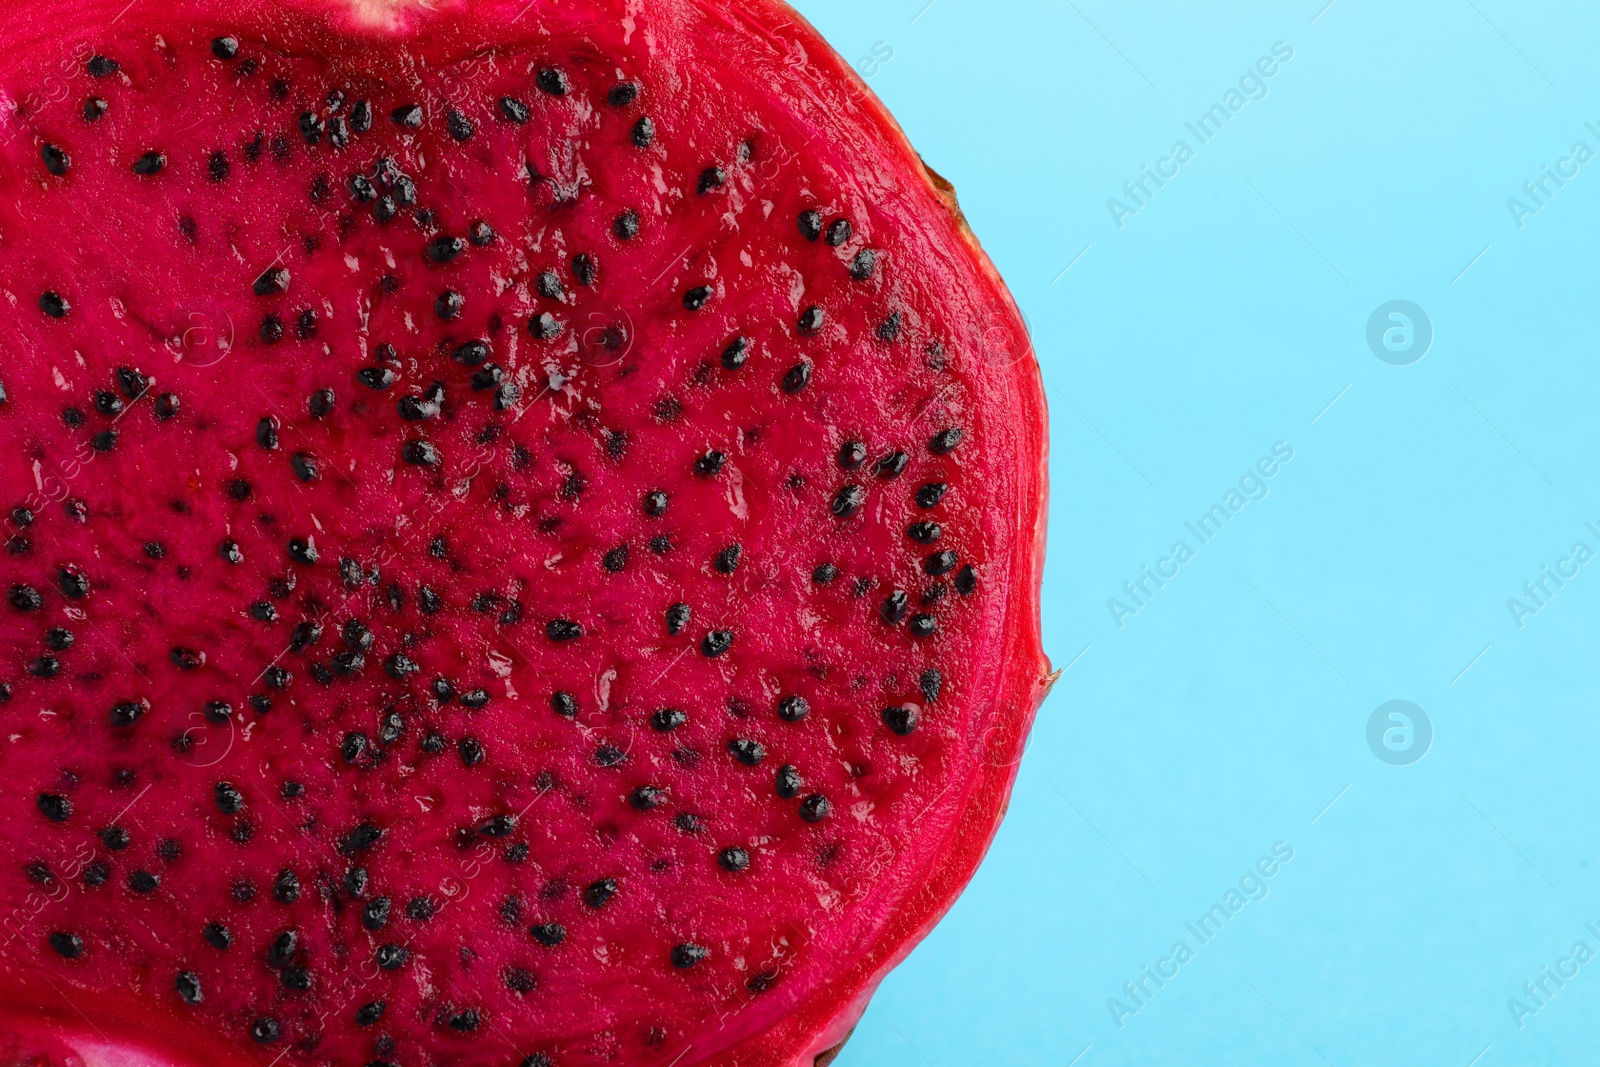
{"x":524,"y":526}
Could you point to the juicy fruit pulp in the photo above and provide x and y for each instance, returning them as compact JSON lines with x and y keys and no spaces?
{"x":523,"y":536}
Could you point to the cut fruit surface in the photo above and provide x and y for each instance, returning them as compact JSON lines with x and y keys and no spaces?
{"x":524,"y":529}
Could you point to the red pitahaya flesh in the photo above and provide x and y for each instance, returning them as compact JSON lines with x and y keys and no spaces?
{"x":524,"y":536}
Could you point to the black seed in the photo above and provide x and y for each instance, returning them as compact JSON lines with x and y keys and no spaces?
{"x":902,"y":720}
{"x":385,"y":209}
{"x":564,"y":705}
{"x":665,"y":720}
{"x":966,"y":582}
{"x":711,"y":178}
{"x":852,"y":454}
{"x":144,"y":882}
{"x":59,"y":639}
{"x":54,"y":806}
{"x":545,"y":326}
{"x":94,"y":109}
{"x":97,"y":874}
{"x":863,"y":266}
{"x":716,"y":643}
{"x":811,"y":320}
{"x":421,"y":454}
{"x":102,"y":66}
{"x":353,"y":747}
{"x":471,"y":750}
{"x":839,"y":231}
{"x":697,"y":298}
{"x":149,"y":164}
{"x":798,"y":378}
{"x":678,"y":616}
{"x":428,"y":601}
{"x":553,"y":81}
{"x":734,"y":859}
{"x":267,"y":432}
{"x":444,"y":249}
{"x":585,"y":269}
{"x":610,"y":756}
{"x":229,"y":799}
{"x":44,"y":667}
{"x":945,"y":441}
{"x":56,"y":161}
{"x":655,"y":503}
{"x":448,"y":304}
{"x":626,"y":226}
{"x":407,"y":116}
{"x":849,"y":501}
{"x":217,"y":936}
{"x":271,"y":330}
{"x":939,"y":564}
{"x":548,"y":285}
{"x":459,"y":125}
{"x":793,"y":708}
{"x":375,"y":915}
{"x":893,"y":465}
{"x":747,"y":752}
{"x":644,"y":132}
{"x":925,"y":533}
{"x":225,"y":48}
{"x":788,"y":782}
{"x":893,"y":608}
{"x":563,"y":630}
{"x":400,"y":666}
{"x":647,"y":798}
{"x":616,"y":560}
{"x":815,"y":808}
{"x":596,"y":894}
{"x":465,"y":1022}
{"x":104,"y":441}
{"x":54,"y":304}
{"x":549,"y":934}
{"x":361,"y":116}
{"x":377,"y":378}
{"x":474,"y":699}
{"x":622,"y":95}
{"x":931,"y":494}
{"x":74,"y":585}
{"x":265,"y":1030}
{"x":710,"y":464}
{"x":311,"y":128}
{"x":25,"y":598}
{"x":273,"y":280}
{"x":369,"y":1014}
{"x":166,"y":407}
{"x":472,"y":353}
{"x":286,"y":887}
{"x":811,"y":225}
{"x":889,"y":329}
{"x":727,"y":560}
{"x":304,"y":467}
{"x":688,"y":954}
{"x":304,"y":552}
{"x":514,"y":110}
{"x":924,"y":626}
{"x":68,"y":946}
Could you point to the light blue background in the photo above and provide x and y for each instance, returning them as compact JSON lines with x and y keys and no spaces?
{"x":1232,"y":709}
